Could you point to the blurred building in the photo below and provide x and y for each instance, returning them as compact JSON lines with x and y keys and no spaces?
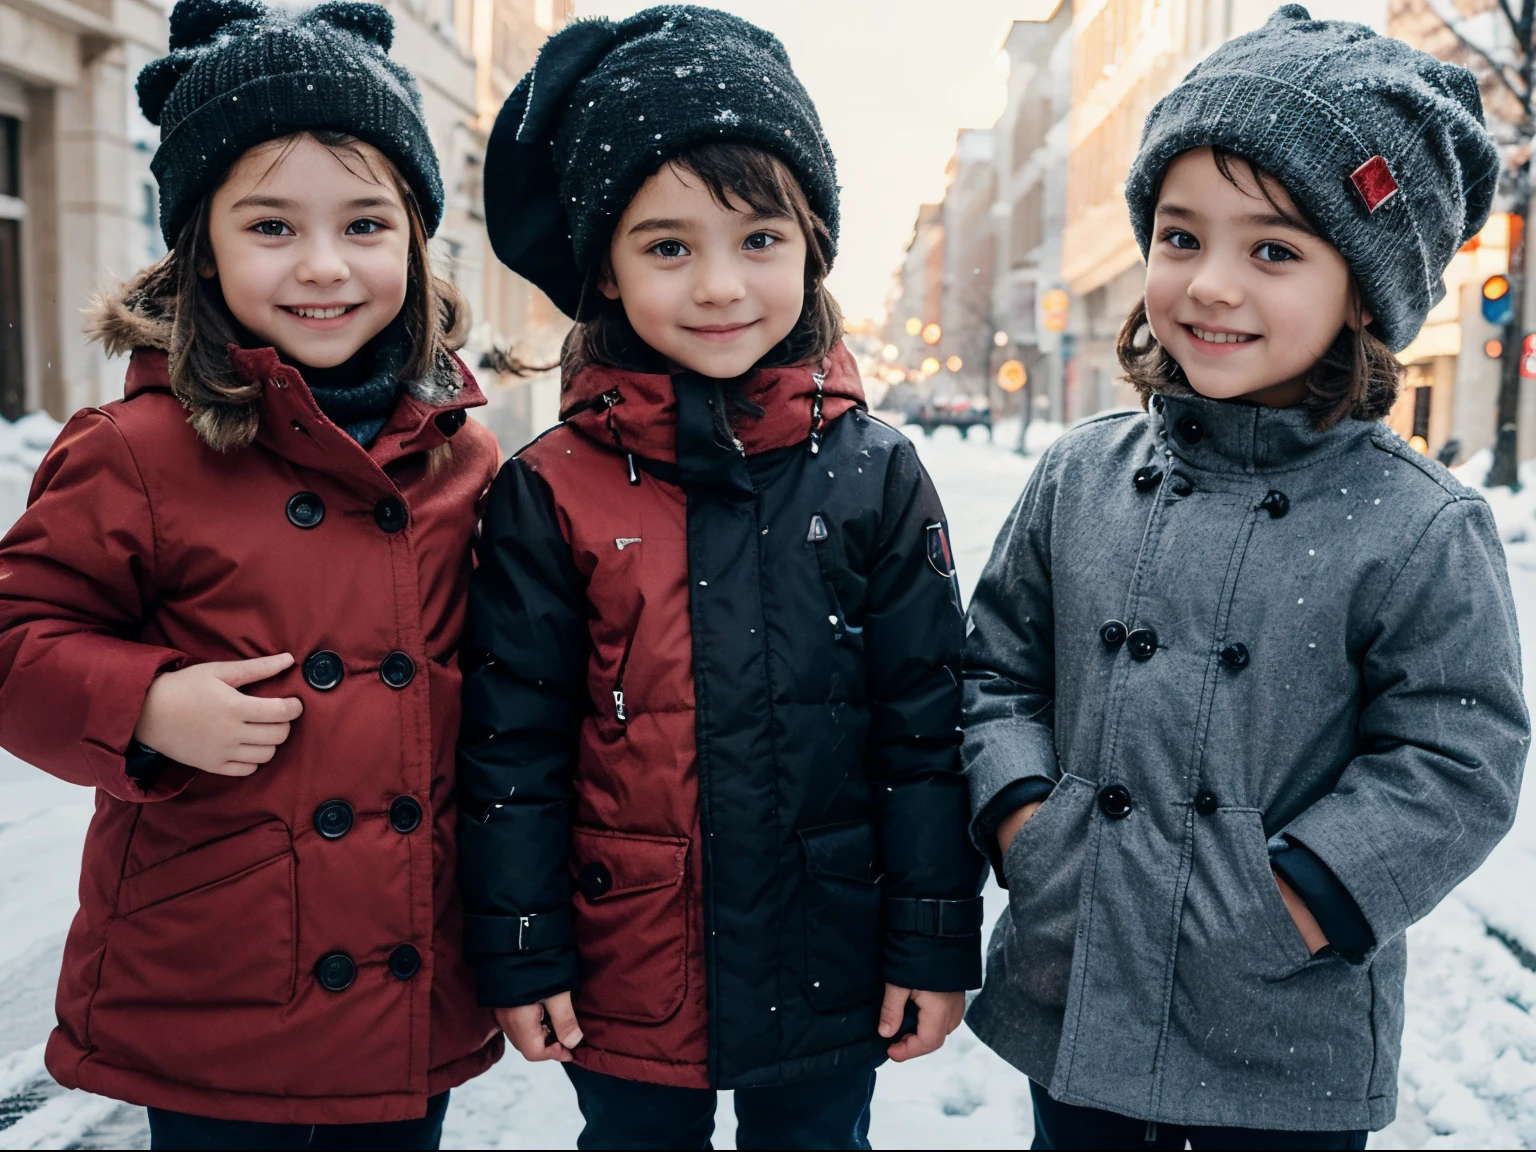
{"x":78,"y":206}
{"x":1029,"y":213}
{"x":966,"y":312}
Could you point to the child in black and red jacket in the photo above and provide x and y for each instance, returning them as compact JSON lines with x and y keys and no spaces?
{"x":714,"y":638}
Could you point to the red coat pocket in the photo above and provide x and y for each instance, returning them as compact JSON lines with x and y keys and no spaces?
{"x":631,"y":924}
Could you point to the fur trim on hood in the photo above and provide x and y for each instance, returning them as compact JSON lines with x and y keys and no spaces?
{"x":134,"y":316}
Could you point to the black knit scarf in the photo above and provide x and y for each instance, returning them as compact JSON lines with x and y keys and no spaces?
{"x":359,"y":395}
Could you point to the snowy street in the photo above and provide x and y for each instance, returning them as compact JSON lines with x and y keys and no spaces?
{"x":1469,"y":1065}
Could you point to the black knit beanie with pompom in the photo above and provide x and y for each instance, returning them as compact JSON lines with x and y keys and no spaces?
{"x":240,"y":74}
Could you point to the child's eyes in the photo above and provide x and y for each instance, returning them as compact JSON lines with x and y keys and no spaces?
{"x":1181,"y":240}
{"x":365,"y":227}
{"x":1273,"y":253}
{"x":668,"y":249}
{"x":271,"y":228}
{"x":760,"y":241}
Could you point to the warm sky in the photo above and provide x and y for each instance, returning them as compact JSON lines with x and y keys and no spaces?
{"x":894,"y":80}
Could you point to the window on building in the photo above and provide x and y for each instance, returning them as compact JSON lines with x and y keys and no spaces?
{"x":1027,"y":229}
{"x":1421,"y":399}
{"x":13,"y":384}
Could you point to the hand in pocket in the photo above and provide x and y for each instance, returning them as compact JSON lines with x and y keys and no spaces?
{"x":1009,"y":828}
{"x":1311,"y":931}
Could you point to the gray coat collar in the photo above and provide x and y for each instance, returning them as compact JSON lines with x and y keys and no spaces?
{"x":1230,"y":436}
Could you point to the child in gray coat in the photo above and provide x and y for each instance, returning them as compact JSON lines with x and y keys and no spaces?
{"x":1243,"y":693}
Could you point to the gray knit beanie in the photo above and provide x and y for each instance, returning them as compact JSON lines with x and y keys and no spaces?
{"x":1382,"y":146}
{"x":241,"y":73}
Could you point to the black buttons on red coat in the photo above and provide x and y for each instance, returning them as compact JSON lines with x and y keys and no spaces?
{"x":333,"y":819}
{"x":1180,"y":485}
{"x":335,"y":971}
{"x":1190,"y":430}
{"x":1205,"y":803}
{"x":1142,"y":644}
{"x":323,"y":671}
{"x":404,"y":814}
{"x":1276,"y":503}
{"x":404,"y":962}
{"x":1147,"y":477}
{"x":1235,"y":656}
{"x":305,"y":510}
{"x":397,"y":670}
{"x":594,"y":879}
{"x":450,"y":422}
{"x":1115,"y":801}
{"x":389,"y":514}
{"x":1113,"y":633}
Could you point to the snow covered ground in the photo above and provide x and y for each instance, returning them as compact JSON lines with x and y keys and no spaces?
{"x":1469,"y":1062}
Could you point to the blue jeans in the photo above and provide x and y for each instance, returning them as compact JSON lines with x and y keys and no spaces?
{"x":184,"y":1130}
{"x":1059,"y":1125}
{"x":825,"y":1112}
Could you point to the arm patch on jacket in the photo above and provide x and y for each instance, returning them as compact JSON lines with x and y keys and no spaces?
{"x":941,"y":558}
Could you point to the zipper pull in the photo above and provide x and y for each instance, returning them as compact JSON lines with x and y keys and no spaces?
{"x":618,"y":705}
{"x":634,"y":474}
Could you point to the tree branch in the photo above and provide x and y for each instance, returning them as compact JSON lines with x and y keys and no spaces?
{"x":1523,"y":97}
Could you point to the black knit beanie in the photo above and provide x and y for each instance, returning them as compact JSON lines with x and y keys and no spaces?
{"x":607,"y":104}
{"x":240,"y":74}
{"x":1381,"y":145}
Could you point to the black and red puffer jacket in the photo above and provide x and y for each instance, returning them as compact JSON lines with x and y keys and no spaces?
{"x":710,"y":773}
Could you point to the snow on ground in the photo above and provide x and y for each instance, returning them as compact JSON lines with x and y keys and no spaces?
{"x":1469,"y":1060}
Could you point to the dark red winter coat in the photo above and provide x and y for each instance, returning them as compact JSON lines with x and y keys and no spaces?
{"x":710,"y":773}
{"x":229,"y":958}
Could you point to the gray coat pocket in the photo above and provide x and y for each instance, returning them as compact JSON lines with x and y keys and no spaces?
{"x":1044,"y":867}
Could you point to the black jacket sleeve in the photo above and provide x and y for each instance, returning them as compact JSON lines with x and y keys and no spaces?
{"x":524,"y":656}
{"x":912,"y":636}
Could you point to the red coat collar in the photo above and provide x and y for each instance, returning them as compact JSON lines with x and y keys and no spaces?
{"x":637,"y":411}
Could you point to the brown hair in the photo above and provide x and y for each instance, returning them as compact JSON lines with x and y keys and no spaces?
{"x":1358,"y":376}
{"x":222,"y":404}
{"x":765,"y":184}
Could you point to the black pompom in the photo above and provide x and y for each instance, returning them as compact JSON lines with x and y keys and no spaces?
{"x":158,"y":78}
{"x":196,"y":22}
{"x":369,"y":21}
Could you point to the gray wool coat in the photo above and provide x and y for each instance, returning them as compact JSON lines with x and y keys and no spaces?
{"x":1146,"y":963}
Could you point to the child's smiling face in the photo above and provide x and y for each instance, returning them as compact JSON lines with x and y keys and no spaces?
{"x":710,"y":288}
{"x":1241,"y":291}
{"x":311,"y":250}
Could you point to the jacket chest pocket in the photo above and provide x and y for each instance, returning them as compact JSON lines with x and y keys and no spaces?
{"x":171,"y":935}
{"x":631,"y":922}
{"x":841,"y":898}
{"x":843,"y":588}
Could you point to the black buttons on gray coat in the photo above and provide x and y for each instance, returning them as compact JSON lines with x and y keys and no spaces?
{"x":397,"y":670}
{"x":1115,"y":801}
{"x":594,"y":880}
{"x":1190,"y":430}
{"x":333,"y":819}
{"x":1142,"y":644}
{"x":1147,"y":477}
{"x":404,"y":962}
{"x":323,"y":671}
{"x":1113,"y":633}
{"x":1180,"y":485}
{"x":404,"y":814}
{"x":1205,"y":803}
{"x":305,"y":510}
{"x":389,"y":514}
{"x":335,"y":971}
{"x":1235,"y":656}
{"x":1276,"y":503}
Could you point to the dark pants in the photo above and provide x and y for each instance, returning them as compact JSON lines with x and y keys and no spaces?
{"x":827,"y":1112}
{"x":183,"y":1130}
{"x":1060,"y":1125}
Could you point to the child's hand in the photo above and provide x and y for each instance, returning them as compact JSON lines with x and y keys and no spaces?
{"x":199,"y":717}
{"x":1009,"y":828}
{"x":938,"y":1014}
{"x":543,"y":1031}
{"x":1311,"y":931}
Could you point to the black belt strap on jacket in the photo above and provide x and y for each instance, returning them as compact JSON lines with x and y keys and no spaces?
{"x":500,"y":934}
{"x":933,"y":917}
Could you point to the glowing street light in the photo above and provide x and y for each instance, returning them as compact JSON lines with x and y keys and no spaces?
{"x":1000,"y":339}
{"x":890,"y":352}
{"x":914,"y":326}
{"x":932,"y":334}
{"x":930,"y":367}
{"x":954,"y":363}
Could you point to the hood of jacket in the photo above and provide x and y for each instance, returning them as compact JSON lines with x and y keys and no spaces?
{"x":637,"y":411}
{"x":134,"y":318}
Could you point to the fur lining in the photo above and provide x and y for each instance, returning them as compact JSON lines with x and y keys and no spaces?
{"x":133,"y":316}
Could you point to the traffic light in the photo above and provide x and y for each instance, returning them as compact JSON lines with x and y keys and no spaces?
{"x":1498,"y":307}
